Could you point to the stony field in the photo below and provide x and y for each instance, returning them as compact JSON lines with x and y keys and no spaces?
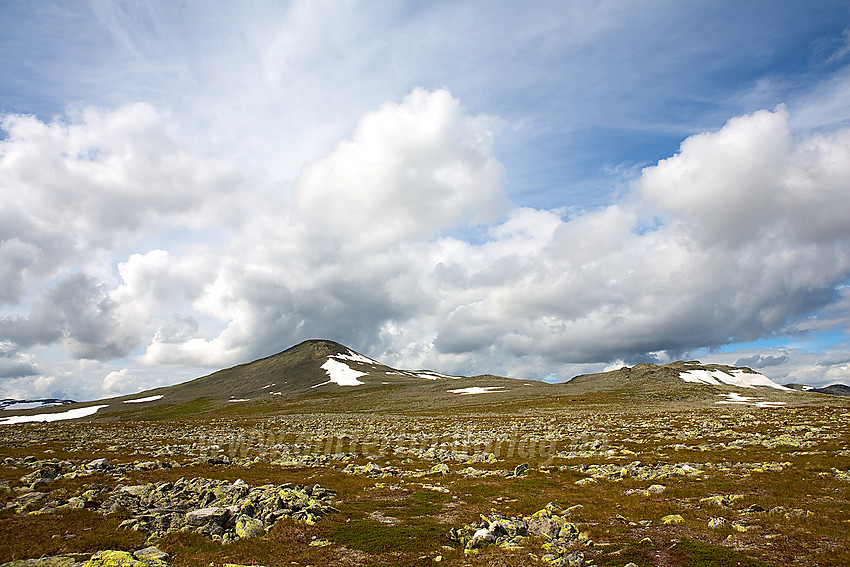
{"x":590,"y":486}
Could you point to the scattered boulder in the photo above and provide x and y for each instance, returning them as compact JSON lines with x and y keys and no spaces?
{"x":716,"y":523}
{"x":520,"y":469}
{"x":723,"y":500}
{"x":247,"y":527}
{"x":219,"y":509}
{"x":28,"y":501}
{"x":203,"y":516}
{"x":110,"y":558}
{"x":52,"y":561}
{"x":544,"y":527}
{"x":672,"y":519}
{"x":150,"y":553}
{"x":100,"y":464}
{"x":440,"y":468}
{"x":550,"y":524}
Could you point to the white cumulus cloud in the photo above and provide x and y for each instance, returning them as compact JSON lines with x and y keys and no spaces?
{"x":400,"y":243}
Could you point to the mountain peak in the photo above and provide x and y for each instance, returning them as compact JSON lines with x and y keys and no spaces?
{"x":676,"y":375}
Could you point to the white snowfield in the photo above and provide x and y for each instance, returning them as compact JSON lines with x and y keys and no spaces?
{"x":435,"y":375}
{"x":29,"y":405}
{"x":738,"y":399}
{"x":239,"y":400}
{"x":737,"y":378}
{"x":354,"y":357}
{"x":340,"y":373}
{"x":70,"y":414}
{"x":141,"y":400}
{"x":478,"y":390}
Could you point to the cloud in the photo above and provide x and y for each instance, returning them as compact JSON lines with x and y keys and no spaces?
{"x":77,"y":311}
{"x":14,"y":364}
{"x":761,"y":361}
{"x":411,"y":170}
{"x":401,"y":243}
{"x":118,"y":382}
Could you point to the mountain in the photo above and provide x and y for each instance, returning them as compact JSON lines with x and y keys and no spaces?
{"x":313,"y":376}
{"x":314,"y":367}
{"x":834,"y":390}
{"x":677,"y":374}
{"x":687,"y":381}
{"x":41,"y":403}
{"x":321,"y":376}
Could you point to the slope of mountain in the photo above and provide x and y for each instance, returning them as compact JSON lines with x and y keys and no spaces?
{"x":324,"y":376}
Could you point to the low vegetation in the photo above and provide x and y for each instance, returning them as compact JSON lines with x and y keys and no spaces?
{"x":738,"y":486}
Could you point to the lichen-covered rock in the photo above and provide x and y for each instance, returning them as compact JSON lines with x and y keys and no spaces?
{"x":639,"y":471}
{"x":247,"y":526}
{"x":570,"y":559}
{"x":440,"y":468}
{"x":217,"y":508}
{"x":544,"y":527}
{"x":150,"y":553}
{"x":215,"y":514}
{"x":724,"y":500}
{"x":97,"y":464}
{"x":53,"y":561}
{"x":28,"y":501}
{"x":672,"y":519}
{"x":560,"y":537}
{"x":111,"y":558}
{"x":371,"y":470}
{"x":520,"y":469}
{"x":715,"y":523}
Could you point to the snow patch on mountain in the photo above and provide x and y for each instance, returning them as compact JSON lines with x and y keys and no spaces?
{"x":737,"y":399}
{"x":429,"y":375}
{"x":738,"y":378}
{"x":340,"y":373}
{"x":354,"y":357}
{"x":142,"y":400}
{"x":478,"y":390}
{"x":70,"y":414}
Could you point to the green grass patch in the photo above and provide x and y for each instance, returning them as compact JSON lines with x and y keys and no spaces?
{"x":372,"y":536}
{"x":177,"y":411}
{"x":73,"y":531}
{"x":695,"y":554}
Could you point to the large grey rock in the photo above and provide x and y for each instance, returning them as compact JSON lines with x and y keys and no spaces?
{"x":214,"y":514}
{"x":28,"y":501}
{"x":546,"y":527}
{"x":150,"y":553}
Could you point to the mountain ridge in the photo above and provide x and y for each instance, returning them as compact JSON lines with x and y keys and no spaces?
{"x":323,"y":375}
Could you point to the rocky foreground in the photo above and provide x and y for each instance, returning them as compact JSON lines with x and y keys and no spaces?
{"x":737,"y":486}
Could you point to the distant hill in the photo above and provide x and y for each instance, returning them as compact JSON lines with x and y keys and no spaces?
{"x":41,"y":403}
{"x":321,"y":376}
{"x":689,"y":381}
{"x":677,"y":374}
{"x":834,"y":390}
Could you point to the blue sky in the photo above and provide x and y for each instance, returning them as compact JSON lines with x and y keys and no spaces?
{"x":526,"y":190}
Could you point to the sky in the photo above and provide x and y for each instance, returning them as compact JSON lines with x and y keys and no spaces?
{"x":536,"y":190}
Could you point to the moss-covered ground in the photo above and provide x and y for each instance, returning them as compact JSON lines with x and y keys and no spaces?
{"x":783,"y":469}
